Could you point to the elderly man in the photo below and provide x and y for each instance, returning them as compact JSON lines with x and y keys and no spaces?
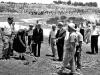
{"x":37,"y":39}
{"x":60,"y":36}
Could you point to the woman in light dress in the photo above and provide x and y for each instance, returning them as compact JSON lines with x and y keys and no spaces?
{"x":87,"y":34}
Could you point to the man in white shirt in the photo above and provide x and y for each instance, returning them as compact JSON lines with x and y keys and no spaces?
{"x":52,"y":40}
{"x":94,"y":40}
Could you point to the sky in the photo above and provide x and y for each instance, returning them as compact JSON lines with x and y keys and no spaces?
{"x":50,"y":1}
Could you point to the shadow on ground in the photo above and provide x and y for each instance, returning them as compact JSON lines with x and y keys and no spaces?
{"x":88,"y":52}
{"x":49,"y":55}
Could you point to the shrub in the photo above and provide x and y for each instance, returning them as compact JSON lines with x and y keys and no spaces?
{"x":53,"y":20}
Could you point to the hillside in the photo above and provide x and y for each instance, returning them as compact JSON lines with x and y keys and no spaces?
{"x":25,"y":7}
{"x":48,"y":11}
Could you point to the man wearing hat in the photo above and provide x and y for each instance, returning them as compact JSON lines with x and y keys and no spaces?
{"x":70,"y":44}
{"x":60,"y":36}
{"x":94,"y":39}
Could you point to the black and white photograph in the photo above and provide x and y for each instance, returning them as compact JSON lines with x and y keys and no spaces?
{"x":49,"y":37}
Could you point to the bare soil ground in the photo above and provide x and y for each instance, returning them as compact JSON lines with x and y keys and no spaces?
{"x":46,"y":66}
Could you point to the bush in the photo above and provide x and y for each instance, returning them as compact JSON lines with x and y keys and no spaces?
{"x":69,"y":2}
{"x":63,"y":17}
{"x":53,"y":20}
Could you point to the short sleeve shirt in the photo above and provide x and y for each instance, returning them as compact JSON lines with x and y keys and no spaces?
{"x":71,"y":38}
{"x":52,"y":33}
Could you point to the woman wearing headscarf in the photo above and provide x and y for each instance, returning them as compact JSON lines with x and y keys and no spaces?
{"x":87,"y":33}
{"x":20,"y":43}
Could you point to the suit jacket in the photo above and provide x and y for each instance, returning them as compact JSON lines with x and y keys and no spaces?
{"x":37,"y":36}
{"x":60,"y":36}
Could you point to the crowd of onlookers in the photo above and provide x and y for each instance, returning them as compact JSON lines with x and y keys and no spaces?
{"x":69,"y":40}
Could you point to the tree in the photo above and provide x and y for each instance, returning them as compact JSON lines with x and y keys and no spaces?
{"x":69,"y":2}
{"x":55,"y":2}
{"x":95,"y":4}
{"x":91,"y":4}
{"x":2,"y":2}
{"x":75,"y":3}
{"x":80,"y":4}
{"x":60,"y":2}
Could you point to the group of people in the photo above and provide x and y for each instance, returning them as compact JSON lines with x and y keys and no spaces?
{"x":68,"y":41}
{"x":21,"y":40}
{"x":30,"y":39}
{"x":90,"y":34}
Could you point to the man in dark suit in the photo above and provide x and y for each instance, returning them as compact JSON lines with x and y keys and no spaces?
{"x":60,"y":36}
{"x":37,"y":39}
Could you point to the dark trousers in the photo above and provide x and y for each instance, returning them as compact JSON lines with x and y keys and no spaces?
{"x":29,"y":40}
{"x":60,"y":51}
{"x":78,"y":57}
{"x":94,"y":43}
{"x":36,"y":49}
{"x":82,"y":32}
